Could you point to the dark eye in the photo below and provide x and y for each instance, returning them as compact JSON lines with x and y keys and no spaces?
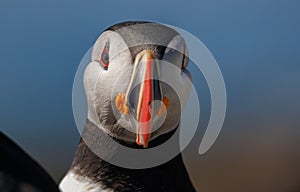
{"x":173,"y":56}
{"x":104,"y":59}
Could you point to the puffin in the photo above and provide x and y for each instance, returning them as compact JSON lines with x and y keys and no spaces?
{"x":19,"y":172}
{"x":130,"y":105}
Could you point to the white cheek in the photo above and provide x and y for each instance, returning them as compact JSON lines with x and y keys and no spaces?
{"x":186,"y":89}
{"x":179,"y":81}
{"x":121,"y":71}
{"x":117,"y":76}
{"x":103,"y":84}
{"x":91,"y":75}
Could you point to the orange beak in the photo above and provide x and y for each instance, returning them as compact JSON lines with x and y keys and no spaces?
{"x":144,"y":108}
{"x":140,"y":98}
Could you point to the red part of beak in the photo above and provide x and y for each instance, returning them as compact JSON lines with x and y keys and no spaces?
{"x":144,"y":110}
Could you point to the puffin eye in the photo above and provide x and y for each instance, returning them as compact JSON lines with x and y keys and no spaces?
{"x":104,"y":59}
{"x":177,"y":53}
{"x":173,"y":56}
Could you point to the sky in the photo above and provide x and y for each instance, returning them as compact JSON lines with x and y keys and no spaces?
{"x":256,"y":44}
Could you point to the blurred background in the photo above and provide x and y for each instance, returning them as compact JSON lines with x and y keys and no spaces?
{"x":255,"y":42}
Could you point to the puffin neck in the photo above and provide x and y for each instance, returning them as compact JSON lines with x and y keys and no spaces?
{"x":170,"y":176}
{"x":94,"y":132}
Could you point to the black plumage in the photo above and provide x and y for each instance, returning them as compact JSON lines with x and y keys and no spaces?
{"x":168,"y":177}
{"x":19,"y":172}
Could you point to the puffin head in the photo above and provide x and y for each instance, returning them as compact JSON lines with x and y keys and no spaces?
{"x":137,"y":82}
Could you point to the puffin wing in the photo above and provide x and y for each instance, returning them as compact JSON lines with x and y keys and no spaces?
{"x":19,"y":172}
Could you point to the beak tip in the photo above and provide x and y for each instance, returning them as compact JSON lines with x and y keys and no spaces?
{"x":144,"y":144}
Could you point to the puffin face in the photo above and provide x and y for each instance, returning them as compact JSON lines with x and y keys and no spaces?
{"x":126,"y":83}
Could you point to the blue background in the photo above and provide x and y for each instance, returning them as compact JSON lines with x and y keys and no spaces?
{"x":256,"y":44}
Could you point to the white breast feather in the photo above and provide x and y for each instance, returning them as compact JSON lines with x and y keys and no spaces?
{"x":75,"y":183}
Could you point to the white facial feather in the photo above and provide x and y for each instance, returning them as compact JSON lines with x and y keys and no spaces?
{"x":102,"y":86}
